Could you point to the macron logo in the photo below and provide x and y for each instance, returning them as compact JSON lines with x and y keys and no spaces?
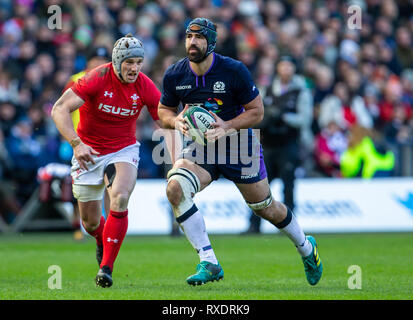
{"x":108,"y":94}
{"x":183,"y":87}
{"x":249,"y":176}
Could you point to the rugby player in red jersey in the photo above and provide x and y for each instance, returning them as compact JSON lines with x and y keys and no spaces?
{"x":105,"y":149}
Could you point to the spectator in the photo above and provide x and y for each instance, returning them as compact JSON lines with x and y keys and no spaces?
{"x":407,"y":86}
{"x":9,"y":206}
{"x":324,"y":80}
{"x":26,"y":153}
{"x":8,"y":88}
{"x":9,"y":114}
{"x":343,"y":109}
{"x":146,"y":30}
{"x":33,"y":80}
{"x":265,"y":72}
{"x":168,"y":41}
{"x":371,"y":100}
{"x":126,"y":21}
{"x":46,"y":63}
{"x":363,"y":158}
{"x":330,"y":144}
{"x":398,"y":131}
{"x":404,"y":50}
{"x":392,"y":96}
{"x":226,"y":44}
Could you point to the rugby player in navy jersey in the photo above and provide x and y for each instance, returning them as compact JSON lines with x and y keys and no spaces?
{"x":223,"y":86}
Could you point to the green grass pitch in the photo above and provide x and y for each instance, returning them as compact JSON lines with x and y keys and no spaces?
{"x":263,"y":267}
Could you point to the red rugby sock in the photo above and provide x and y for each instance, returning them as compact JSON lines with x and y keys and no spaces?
{"x":98,"y":232}
{"x":113,"y":234}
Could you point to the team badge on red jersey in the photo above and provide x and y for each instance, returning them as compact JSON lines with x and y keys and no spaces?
{"x":135,"y":98}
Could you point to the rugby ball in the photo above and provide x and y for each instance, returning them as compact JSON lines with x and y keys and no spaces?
{"x":199,"y":120}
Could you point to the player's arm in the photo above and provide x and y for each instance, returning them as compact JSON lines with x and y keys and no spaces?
{"x":61,"y":115}
{"x":169,"y":103}
{"x":253,"y":114}
{"x":244,"y":90}
{"x":171,"y":120}
{"x":167,"y":115}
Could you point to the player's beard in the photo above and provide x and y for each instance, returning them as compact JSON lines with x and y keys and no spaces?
{"x":196,"y":57}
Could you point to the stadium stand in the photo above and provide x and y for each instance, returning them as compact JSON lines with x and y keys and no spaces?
{"x":357,"y":76}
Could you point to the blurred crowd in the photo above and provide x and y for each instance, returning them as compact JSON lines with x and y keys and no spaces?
{"x":360,"y":79}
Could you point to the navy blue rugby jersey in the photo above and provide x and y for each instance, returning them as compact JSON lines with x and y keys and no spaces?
{"x":223,"y":89}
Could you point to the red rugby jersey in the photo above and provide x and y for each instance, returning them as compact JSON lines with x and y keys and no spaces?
{"x":108,"y":116}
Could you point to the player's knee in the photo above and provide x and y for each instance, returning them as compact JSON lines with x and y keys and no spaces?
{"x":182,"y":163}
{"x":275,"y":212}
{"x":174,"y":192}
{"x":266,"y":213}
{"x":264,"y":208}
{"x":90,"y":223}
{"x":119,"y":200}
{"x":182,"y":186}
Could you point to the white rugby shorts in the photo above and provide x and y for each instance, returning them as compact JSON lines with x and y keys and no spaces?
{"x":94,"y":176}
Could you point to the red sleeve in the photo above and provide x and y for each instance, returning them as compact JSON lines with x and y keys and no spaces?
{"x":86,"y":86}
{"x":68,"y":85}
{"x":151,"y":98}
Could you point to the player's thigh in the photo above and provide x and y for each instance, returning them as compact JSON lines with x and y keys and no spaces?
{"x":254,"y":192}
{"x":202,"y":174}
{"x":124,"y":180}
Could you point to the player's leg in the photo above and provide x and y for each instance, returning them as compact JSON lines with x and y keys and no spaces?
{"x":88,"y":188}
{"x":90,"y":214}
{"x":185,"y":179}
{"x":90,"y":210}
{"x":120,"y":183}
{"x":106,"y":201}
{"x":259,"y":199}
{"x":78,"y":233}
{"x":288,"y":163}
{"x":272,"y":167}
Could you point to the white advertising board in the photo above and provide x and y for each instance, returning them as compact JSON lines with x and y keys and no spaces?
{"x":322,"y":205}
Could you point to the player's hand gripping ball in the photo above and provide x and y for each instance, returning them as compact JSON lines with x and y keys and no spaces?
{"x":199,"y":120}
